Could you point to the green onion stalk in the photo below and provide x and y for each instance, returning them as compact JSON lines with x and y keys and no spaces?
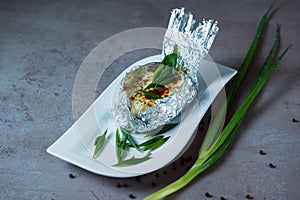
{"x":211,"y":150}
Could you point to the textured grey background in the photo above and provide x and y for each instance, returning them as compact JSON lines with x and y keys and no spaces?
{"x":42,"y":45}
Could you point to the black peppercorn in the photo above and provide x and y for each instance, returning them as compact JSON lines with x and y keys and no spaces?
{"x":71,"y":176}
{"x":208,"y":195}
{"x":272,"y":165}
{"x":261,"y":152}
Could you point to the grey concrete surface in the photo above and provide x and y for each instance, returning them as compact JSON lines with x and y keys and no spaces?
{"x":42,"y":45}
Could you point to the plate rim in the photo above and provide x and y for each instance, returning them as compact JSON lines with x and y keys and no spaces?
{"x":112,"y":172}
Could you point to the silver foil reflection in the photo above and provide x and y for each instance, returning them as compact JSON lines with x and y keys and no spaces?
{"x":193,"y":43}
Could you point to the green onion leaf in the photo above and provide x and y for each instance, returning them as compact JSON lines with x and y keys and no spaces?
{"x":157,"y":72}
{"x":118,"y":138}
{"x":164,"y":71}
{"x":151,"y":141}
{"x":130,"y":139}
{"x":225,"y":138}
{"x":261,"y":80}
{"x":167,"y":127}
{"x":150,"y":94}
{"x":132,"y":161}
{"x":171,"y":59}
{"x":215,"y":126}
{"x":245,"y":65}
{"x":155,"y":144}
{"x":164,"y":129}
{"x":99,"y":143}
{"x":213,"y":151}
{"x":154,"y":85}
{"x":121,"y":146}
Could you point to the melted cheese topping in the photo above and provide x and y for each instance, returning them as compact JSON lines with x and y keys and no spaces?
{"x":140,"y":78}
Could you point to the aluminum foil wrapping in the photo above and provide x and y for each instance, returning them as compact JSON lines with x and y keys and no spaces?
{"x":193,"y":43}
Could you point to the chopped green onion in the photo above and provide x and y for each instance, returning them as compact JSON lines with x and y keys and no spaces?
{"x":99,"y":143}
{"x":130,"y":139}
{"x":150,"y":94}
{"x":155,"y":144}
{"x":132,"y":161}
{"x":151,"y":141}
{"x":121,"y":146}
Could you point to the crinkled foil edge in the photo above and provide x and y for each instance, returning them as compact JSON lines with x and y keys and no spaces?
{"x":193,"y":41}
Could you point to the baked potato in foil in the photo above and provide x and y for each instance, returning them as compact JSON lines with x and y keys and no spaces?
{"x":138,"y":111}
{"x":154,"y":94}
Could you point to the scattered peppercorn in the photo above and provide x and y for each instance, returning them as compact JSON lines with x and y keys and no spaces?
{"x":71,"y":176}
{"x":208,"y":195}
{"x":165,"y":172}
{"x":157,"y":174}
{"x":119,"y":185}
{"x":182,"y":161}
{"x":190,"y":158}
{"x":272,"y":165}
{"x":222,"y":198}
{"x":131,"y":196}
{"x":56,"y":94}
{"x":261,"y":152}
{"x":174,"y":167}
{"x":153,"y":184}
{"x":295,"y":120}
{"x":248,"y":196}
{"x":138,"y":179}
